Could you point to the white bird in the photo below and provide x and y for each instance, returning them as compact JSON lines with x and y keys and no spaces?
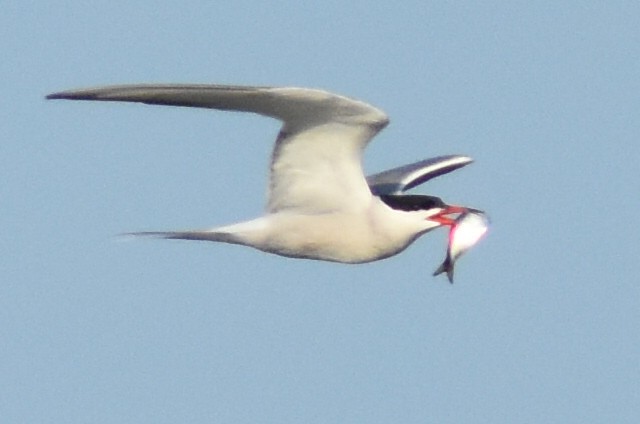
{"x":320,"y":205}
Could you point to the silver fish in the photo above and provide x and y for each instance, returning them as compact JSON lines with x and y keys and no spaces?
{"x":467,"y":230}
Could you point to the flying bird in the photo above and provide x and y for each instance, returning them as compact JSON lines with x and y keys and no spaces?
{"x":320,"y":204}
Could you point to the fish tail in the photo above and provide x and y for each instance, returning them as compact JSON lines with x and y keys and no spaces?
{"x":446,"y":266}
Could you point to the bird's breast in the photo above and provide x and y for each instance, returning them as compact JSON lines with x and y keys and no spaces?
{"x":349,"y":237}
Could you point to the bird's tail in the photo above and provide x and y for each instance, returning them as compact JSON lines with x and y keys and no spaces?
{"x":247,"y":233}
{"x":203,"y":235}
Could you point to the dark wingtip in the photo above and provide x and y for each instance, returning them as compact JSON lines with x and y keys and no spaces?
{"x":78,"y":94}
{"x":66,"y":95}
{"x":69,"y":95}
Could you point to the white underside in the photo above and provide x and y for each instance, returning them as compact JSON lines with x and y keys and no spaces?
{"x":367,"y":235}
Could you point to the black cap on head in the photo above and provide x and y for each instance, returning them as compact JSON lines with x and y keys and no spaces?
{"x":406,"y":202}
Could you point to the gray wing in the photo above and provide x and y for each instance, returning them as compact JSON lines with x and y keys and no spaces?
{"x":294,"y":106}
{"x":403,"y":178}
{"x":316,"y":160}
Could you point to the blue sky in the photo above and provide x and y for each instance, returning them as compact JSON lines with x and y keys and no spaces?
{"x":540,"y":326}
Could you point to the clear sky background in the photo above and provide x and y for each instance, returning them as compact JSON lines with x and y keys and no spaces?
{"x":541,"y":325}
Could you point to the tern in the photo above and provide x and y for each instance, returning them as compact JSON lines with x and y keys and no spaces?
{"x":320,"y":204}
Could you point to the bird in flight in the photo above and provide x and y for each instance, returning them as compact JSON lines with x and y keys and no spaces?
{"x":320,"y":204}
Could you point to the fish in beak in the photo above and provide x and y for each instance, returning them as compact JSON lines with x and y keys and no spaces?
{"x":466,"y":230}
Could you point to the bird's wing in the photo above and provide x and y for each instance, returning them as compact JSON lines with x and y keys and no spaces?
{"x":316,"y":161}
{"x":403,"y":178}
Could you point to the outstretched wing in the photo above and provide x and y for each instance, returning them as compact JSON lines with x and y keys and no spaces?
{"x":403,"y":178}
{"x":316,"y":162}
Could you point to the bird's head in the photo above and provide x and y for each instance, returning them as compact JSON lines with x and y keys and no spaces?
{"x":434,"y":208}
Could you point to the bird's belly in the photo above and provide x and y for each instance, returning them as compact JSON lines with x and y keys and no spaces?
{"x":345,"y":238}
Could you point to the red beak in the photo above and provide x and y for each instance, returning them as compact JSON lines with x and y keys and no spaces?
{"x":442,"y":218}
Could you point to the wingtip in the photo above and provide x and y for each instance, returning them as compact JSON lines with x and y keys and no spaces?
{"x":462,"y":159}
{"x":90,"y":93}
{"x":54,"y":96}
{"x":458,"y":161}
{"x":68,"y":95}
{"x":72,"y":95}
